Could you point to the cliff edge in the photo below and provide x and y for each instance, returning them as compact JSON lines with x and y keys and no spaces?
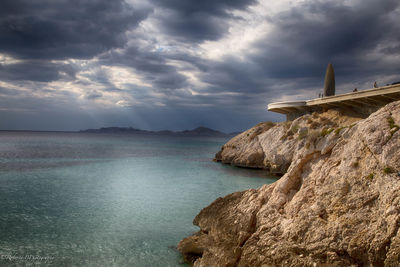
{"x":273,"y":146}
{"x":338,"y":203}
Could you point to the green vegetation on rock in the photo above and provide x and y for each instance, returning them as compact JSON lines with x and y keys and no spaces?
{"x":393,"y":127}
{"x":371,"y":176}
{"x":326,"y":131}
{"x":388,"y":170}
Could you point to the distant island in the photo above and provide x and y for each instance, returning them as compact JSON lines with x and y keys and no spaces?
{"x":199,"y":131}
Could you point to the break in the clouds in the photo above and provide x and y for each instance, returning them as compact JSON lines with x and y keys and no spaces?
{"x":174,"y":64}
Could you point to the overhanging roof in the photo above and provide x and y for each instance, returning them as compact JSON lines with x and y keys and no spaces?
{"x":375,"y":97}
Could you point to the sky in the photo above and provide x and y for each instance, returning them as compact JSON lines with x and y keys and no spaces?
{"x":179,"y":64}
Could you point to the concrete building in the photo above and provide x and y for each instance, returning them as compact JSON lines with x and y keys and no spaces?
{"x":361,"y":103}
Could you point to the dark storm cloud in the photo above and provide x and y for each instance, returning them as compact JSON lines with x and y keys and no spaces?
{"x":234,"y":75}
{"x":390,"y":50}
{"x":93,"y":95}
{"x":307,"y":37}
{"x":303,"y":41}
{"x":216,"y":8}
{"x":41,"y":71}
{"x":97,"y":76}
{"x":8,"y":92}
{"x":152,"y":65}
{"x":65,"y":28}
{"x":196,"y":21}
{"x":360,"y":39}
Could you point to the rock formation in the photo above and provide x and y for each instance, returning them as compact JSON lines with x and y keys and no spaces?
{"x":272,"y":146}
{"x":338,"y":203}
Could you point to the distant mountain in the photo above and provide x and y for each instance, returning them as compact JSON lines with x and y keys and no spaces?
{"x":203,"y":131}
{"x":199,"y":131}
{"x":115,"y":130}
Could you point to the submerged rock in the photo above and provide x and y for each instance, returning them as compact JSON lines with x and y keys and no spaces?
{"x":338,"y":203}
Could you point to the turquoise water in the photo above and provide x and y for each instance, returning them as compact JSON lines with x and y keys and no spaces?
{"x":106,"y":200}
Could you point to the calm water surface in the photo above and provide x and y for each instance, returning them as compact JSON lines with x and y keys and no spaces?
{"x":107,"y":200}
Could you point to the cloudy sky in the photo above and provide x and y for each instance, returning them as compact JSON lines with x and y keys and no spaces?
{"x":179,"y":64}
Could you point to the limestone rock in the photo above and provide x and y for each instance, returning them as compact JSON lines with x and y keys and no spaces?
{"x":338,"y":203}
{"x":272,"y":146}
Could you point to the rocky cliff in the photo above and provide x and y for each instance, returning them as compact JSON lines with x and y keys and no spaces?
{"x":273,"y":146}
{"x":338,"y":203}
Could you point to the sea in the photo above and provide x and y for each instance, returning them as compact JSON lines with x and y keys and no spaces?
{"x":85,"y":199}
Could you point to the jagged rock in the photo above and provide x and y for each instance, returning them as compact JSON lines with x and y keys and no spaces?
{"x":272,"y":146}
{"x":337,"y":205}
{"x":244,"y":150}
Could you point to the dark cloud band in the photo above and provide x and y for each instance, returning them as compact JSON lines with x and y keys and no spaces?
{"x":64,"y":29}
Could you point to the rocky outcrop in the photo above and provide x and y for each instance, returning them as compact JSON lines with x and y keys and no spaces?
{"x":273,"y":146}
{"x":338,"y":204}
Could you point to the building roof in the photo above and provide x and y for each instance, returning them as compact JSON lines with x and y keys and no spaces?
{"x":375,"y":97}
